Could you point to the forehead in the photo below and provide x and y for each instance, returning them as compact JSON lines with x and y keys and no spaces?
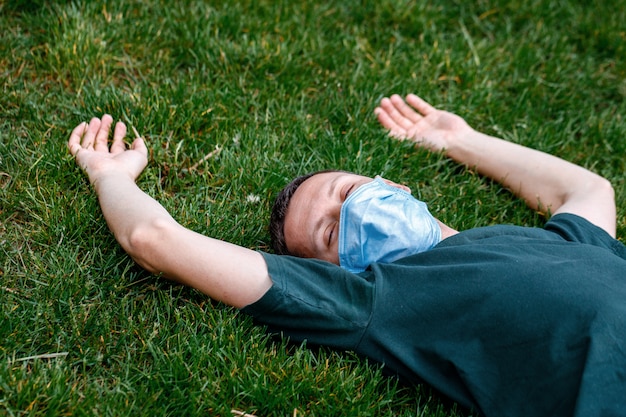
{"x":319,"y":188}
{"x":312,"y":186}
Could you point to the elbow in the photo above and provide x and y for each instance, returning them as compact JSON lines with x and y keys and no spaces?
{"x":609,"y":189}
{"x":595,"y":190}
{"x":604,"y":211}
{"x":603,"y":190}
{"x":146,"y":241}
{"x":593,"y":198}
{"x":592,"y":188}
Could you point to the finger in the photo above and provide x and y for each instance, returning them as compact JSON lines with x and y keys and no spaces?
{"x":102,"y":137}
{"x":139,"y":145}
{"x":420,"y":105}
{"x":77,"y":134}
{"x":388,"y":122}
{"x":392,"y":112}
{"x":90,"y":133}
{"x":405,"y":109}
{"x":119,"y":134}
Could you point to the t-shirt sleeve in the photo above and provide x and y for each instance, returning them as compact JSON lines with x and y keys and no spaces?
{"x":574,"y":228}
{"x":314,"y":300}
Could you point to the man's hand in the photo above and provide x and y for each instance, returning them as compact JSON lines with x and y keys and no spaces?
{"x":89,"y":143}
{"x":428,"y":127}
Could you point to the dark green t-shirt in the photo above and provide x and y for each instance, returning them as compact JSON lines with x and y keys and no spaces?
{"x":507,"y":320}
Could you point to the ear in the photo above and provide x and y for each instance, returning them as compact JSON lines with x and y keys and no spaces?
{"x":395,"y":184}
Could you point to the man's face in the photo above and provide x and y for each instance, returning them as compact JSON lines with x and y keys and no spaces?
{"x":312,"y":220}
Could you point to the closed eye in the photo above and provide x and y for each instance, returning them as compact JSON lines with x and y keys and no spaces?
{"x":332,"y":232}
{"x":348,"y":191}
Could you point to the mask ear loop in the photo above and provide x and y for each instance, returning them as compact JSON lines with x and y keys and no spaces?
{"x":383,"y":183}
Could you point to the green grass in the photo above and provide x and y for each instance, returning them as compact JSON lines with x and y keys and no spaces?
{"x":284,"y":88}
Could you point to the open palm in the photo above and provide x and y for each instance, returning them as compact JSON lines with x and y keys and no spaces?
{"x":89,"y":143}
{"x":416,"y":120}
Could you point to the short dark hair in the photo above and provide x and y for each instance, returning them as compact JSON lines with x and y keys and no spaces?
{"x":279,"y":211}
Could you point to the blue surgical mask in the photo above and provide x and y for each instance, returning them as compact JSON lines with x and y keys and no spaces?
{"x":382,"y":223}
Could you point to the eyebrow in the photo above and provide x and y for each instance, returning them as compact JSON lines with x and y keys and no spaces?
{"x":332,"y":186}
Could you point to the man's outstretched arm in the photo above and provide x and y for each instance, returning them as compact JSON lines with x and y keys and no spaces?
{"x":545,"y":182}
{"x":229,"y":273}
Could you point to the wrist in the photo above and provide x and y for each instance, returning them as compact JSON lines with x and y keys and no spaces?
{"x":460,"y":140}
{"x":104,"y":178}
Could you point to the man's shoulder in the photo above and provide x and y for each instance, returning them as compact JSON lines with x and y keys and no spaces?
{"x":309,"y":286}
{"x":574,"y":228}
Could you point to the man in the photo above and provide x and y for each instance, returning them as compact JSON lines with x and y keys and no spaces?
{"x":505,"y":320}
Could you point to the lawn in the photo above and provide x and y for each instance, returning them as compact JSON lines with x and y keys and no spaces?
{"x":235,"y":99}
